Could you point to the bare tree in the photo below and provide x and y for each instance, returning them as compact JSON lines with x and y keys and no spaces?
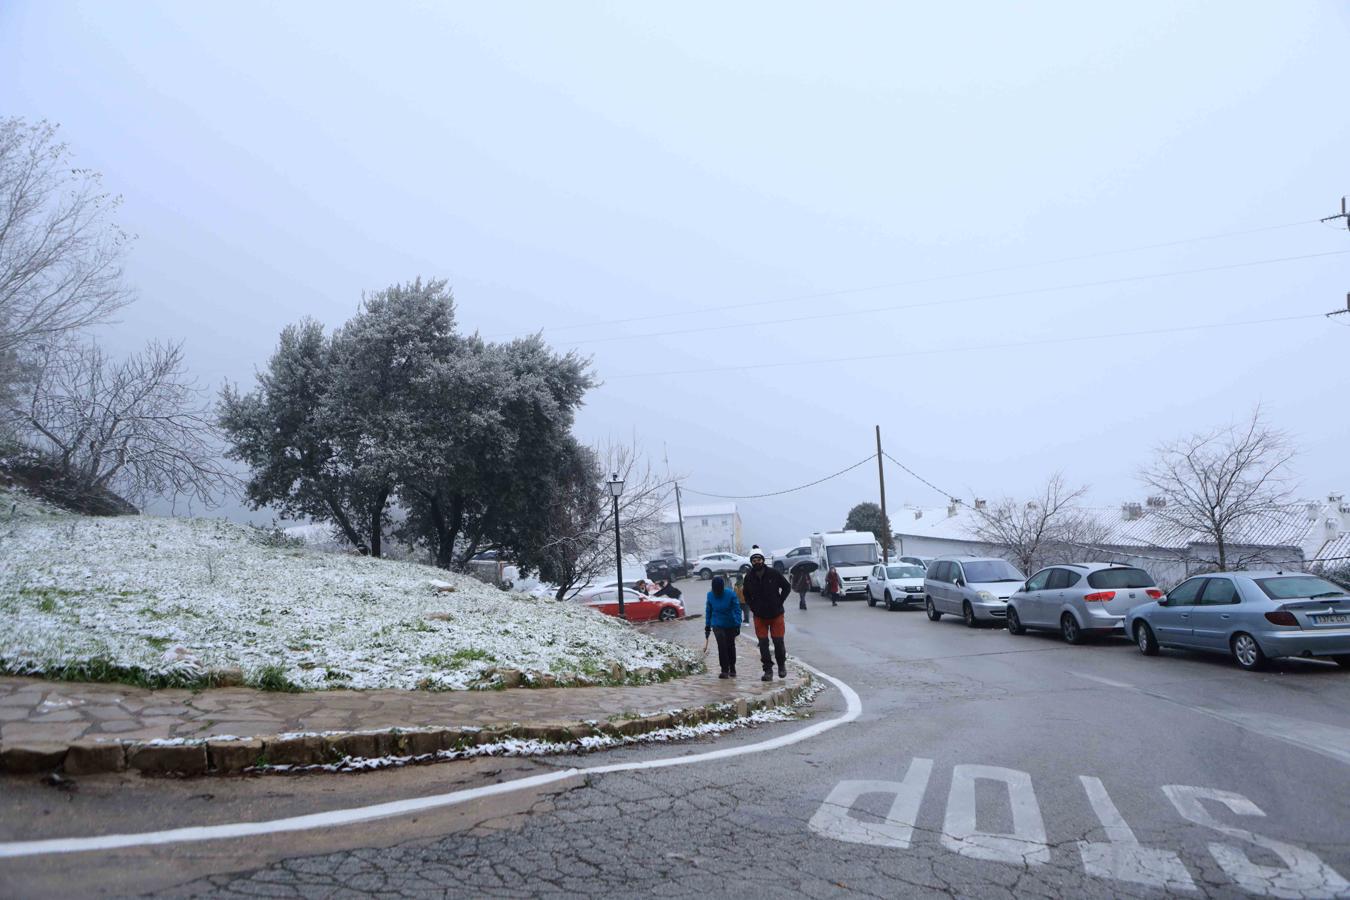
{"x":581,"y":547}
{"x":60,"y":253}
{"x":138,"y":427}
{"x":1219,"y":481}
{"x":1032,"y":532}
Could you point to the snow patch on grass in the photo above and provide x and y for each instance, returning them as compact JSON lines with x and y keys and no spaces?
{"x":170,"y":601}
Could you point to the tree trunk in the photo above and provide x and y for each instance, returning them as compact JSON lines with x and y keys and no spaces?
{"x":1223,"y":551}
{"x":446,"y":518}
{"x":377,"y":521}
{"x":346,"y":525}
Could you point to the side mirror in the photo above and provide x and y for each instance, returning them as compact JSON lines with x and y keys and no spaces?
{"x":960,"y":582}
{"x":1162,"y":601}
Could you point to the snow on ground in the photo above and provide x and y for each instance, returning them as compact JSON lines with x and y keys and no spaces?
{"x":171,"y":598}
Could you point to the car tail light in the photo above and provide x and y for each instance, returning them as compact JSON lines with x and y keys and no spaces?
{"x":1281,"y":617}
{"x":1154,"y":593}
{"x":1100,"y":596}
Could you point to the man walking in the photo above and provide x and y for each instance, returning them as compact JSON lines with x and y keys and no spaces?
{"x":765,"y":591}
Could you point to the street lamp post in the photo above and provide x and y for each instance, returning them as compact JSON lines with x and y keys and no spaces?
{"x":615,"y":485}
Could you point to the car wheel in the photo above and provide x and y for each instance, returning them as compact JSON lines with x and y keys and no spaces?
{"x":871,"y":601}
{"x":1015,"y":622}
{"x":1247,"y":652}
{"x":1143,"y":636}
{"x":1068,"y":626}
{"x":933,"y":614}
{"x":968,"y":615}
{"x":705,"y":574}
{"x":890,"y":602}
{"x":1342,"y":661}
{"x":668,"y":613}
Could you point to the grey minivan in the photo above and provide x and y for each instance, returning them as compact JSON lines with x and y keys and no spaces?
{"x":976,"y":588}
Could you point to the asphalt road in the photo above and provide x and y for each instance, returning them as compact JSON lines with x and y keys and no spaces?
{"x":982,"y":765}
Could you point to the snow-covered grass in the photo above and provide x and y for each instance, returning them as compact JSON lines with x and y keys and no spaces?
{"x":161,"y":601}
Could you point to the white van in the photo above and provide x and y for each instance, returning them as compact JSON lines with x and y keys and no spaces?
{"x":852,"y":553}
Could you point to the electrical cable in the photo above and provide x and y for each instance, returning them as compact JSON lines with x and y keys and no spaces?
{"x":868,"y":458}
{"x":837,"y":314}
{"x":965,"y":350}
{"x":915,"y":281}
{"x":917,"y":475}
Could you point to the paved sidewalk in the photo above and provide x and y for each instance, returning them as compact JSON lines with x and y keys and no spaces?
{"x":106,"y":727}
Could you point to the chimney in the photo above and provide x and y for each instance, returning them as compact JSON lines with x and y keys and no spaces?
{"x":1313,"y":508}
{"x":951,"y":509}
{"x":1157,"y":502}
{"x":1031,"y":504}
{"x":1131,"y":512}
{"x":979,"y":503}
{"x":918,"y":514}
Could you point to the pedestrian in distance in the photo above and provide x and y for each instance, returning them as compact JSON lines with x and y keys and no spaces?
{"x":740,"y":595}
{"x":722,"y":617}
{"x":801,"y":583}
{"x":765,"y":591}
{"x":834,"y":585}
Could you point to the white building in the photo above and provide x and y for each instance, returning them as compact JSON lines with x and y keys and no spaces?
{"x":1136,"y":534}
{"x":707,"y":529}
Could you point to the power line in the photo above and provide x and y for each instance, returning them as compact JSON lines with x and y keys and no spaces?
{"x":917,"y":475}
{"x":942,"y":350}
{"x":950,"y":276}
{"x":868,"y":458}
{"x":836,"y":314}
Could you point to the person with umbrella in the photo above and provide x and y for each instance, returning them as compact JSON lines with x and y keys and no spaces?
{"x":801,"y":582}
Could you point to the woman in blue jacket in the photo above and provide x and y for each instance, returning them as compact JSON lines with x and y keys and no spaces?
{"x":722,"y":617}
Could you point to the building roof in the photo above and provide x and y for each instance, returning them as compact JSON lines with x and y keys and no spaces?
{"x":669,"y":516}
{"x":1335,"y":554}
{"x":1294,"y":526}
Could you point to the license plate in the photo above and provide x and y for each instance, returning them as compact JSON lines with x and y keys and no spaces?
{"x":1332,"y":620}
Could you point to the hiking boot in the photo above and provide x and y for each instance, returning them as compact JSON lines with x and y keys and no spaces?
{"x":723,"y":675}
{"x":782,"y":671}
{"x":767,"y":676}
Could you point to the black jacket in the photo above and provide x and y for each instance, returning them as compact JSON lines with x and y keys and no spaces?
{"x":765,"y":592}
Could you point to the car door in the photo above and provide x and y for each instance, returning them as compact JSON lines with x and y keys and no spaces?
{"x":952,"y":582}
{"x":933,"y":582}
{"x":605,"y":601}
{"x":1172,"y":623}
{"x":1029,"y":599}
{"x":1213,"y":617}
{"x":1050,"y":601}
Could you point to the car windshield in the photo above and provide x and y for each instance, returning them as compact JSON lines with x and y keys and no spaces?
{"x":1120,"y":578}
{"x":852,"y":555}
{"x":984,"y":571}
{"x":1290,"y":587}
{"x":904,"y":572}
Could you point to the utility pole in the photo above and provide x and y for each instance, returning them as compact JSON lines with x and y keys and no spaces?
{"x":1345,"y":217}
{"x":679,"y":514}
{"x":881,"y":477}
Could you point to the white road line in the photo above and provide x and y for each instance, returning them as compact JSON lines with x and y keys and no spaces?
{"x":1025,"y":845}
{"x":339,"y":817}
{"x":1105,"y":681}
{"x":1122,"y":857}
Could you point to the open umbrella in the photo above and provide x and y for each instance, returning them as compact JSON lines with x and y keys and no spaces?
{"x":805,"y":566}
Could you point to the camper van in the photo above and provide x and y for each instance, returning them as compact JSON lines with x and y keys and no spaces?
{"x":853,"y":553}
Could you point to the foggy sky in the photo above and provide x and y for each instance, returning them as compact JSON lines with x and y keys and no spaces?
{"x":567,"y":165}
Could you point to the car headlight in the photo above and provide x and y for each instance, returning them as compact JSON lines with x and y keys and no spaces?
{"x":986,"y":596}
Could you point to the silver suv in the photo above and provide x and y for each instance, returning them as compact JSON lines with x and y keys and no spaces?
{"x":976,"y":588}
{"x":1078,"y":599}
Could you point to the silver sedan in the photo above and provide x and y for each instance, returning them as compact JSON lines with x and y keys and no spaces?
{"x":1255,"y":616}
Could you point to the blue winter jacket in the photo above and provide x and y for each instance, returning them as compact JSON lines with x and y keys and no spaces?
{"x":723,"y":611}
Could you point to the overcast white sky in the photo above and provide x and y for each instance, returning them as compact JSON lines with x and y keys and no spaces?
{"x":567,"y":165}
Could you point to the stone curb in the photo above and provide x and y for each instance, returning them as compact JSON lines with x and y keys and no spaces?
{"x":234,"y":756}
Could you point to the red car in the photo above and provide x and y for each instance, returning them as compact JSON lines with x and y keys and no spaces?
{"x":636,"y":607}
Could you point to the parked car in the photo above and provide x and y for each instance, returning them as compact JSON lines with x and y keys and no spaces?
{"x":1255,"y":616}
{"x":896,"y":585}
{"x":784,"y":562}
{"x":1080,"y":599}
{"x":667,"y":568}
{"x":711,"y":564}
{"x":636,"y":607}
{"x":920,"y":561}
{"x":608,"y":584}
{"x":973,"y":587}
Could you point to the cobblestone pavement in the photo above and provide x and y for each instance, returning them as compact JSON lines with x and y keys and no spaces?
{"x":38,"y":711}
